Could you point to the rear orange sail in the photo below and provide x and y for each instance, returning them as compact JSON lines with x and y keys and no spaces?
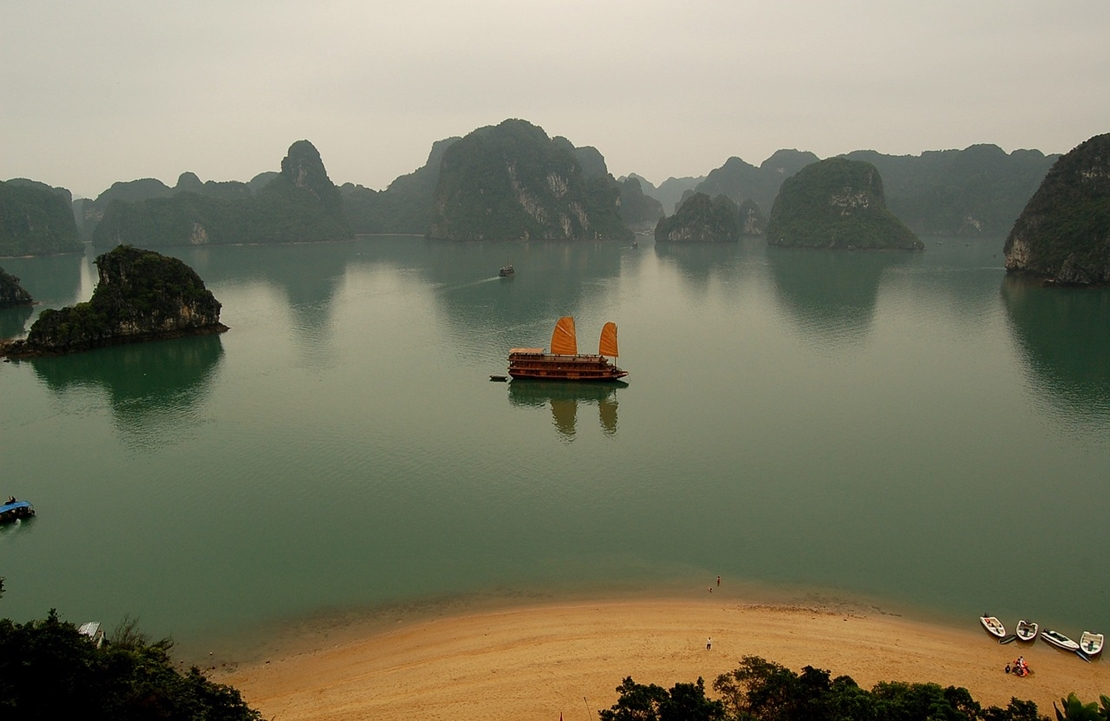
{"x":563,"y":339}
{"x":608,"y":344}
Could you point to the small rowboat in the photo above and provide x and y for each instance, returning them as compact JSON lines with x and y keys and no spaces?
{"x":1091,"y":643}
{"x":993,"y":625}
{"x":1059,"y":640}
{"x":1026,"y":630}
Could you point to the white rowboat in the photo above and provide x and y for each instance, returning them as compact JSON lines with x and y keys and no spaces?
{"x":993,"y":625}
{"x":1026,"y":630}
{"x":1091,"y":643}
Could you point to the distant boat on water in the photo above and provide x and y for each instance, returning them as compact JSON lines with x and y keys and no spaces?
{"x":506,"y":271}
{"x":15,"y":510}
{"x":563,"y":362}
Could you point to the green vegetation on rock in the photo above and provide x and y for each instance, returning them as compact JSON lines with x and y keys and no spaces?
{"x":404,"y":207}
{"x":141,"y":295}
{"x":979,"y":190}
{"x":1063,"y":234}
{"x":836,"y":203}
{"x":512,"y":181}
{"x":700,"y":219}
{"x":36,"y":219}
{"x":300,"y":204}
{"x":11,"y":292}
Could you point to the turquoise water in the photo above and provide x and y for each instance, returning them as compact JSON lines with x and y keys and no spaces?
{"x":912,"y":428}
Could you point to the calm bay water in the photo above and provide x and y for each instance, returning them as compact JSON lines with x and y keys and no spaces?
{"x":916,"y":429}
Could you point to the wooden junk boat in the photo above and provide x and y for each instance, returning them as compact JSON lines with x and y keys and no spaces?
{"x":563,"y":362}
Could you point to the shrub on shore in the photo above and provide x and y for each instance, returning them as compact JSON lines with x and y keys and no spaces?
{"x":761,"y":690}
{"x":49,"y":670}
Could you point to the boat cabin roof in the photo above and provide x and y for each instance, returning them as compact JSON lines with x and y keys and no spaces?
{"x":12,"y":506}
{"x":526,"y":350}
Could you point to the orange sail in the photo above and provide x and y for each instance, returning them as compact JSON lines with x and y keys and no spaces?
{"x":563,"y":339}
{"x":608,"y":344}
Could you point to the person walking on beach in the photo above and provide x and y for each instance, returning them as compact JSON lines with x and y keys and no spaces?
{"x":718,"y":580}
{"x":709,"y":643}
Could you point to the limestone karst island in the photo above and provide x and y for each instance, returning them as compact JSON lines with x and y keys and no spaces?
{"x":141,"y":295}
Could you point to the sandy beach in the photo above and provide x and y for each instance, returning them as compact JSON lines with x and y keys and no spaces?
{"x":542,"y":660}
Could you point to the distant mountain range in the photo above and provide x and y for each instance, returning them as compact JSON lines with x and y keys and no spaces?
{"x":505,"y":181}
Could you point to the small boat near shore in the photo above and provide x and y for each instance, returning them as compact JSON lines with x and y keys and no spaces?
{"x":14,"y":510}
{"x":1090,"y":643}
{"x":1059,"y":640}
{"x":564,"y":362}
{"x":993,"y":625}
{"x":1026,"y":631}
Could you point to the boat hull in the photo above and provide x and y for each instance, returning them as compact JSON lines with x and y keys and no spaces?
{"x":1091,"y":643}
{"x":1026,"y":631}
{"x":549,"y":366}
{"x":993,"y":626}
{"x":1059,"y":640}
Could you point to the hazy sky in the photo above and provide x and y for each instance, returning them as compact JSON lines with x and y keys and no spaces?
{"x":94,"y":92}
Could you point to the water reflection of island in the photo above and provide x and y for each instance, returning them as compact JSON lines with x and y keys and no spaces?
{"x":565,"y":397}
{"x":1064,"y":335}
{"x":831,"y":292}
{"x":153,"y":388}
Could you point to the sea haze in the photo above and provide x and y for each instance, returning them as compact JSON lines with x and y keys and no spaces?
{"x":908,"y":427}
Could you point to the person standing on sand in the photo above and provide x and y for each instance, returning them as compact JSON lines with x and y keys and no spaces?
{"x":718,"y":580}
{"x":709,"y":643}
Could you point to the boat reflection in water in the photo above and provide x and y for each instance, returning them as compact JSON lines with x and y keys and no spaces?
{"x":565,"y":398}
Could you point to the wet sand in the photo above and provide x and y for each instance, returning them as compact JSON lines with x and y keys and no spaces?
{"x":542,"y":660}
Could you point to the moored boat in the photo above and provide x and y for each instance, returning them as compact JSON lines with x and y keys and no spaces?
{"x":15,"y":510}
{"x":1059,"y":640}
{"x":563,"y":362}
{"x":993,"y":625}
{"x":1026,"y":630}
{"x":1090,"y":643}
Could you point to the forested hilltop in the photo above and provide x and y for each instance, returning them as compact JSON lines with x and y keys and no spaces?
{"x":512,"y":181}
{"x":298,"y":204}
{"x":1063,"y":234}
{"x":976,"y":191}
{"x":36,"y":219}
{"x":836,"y":203}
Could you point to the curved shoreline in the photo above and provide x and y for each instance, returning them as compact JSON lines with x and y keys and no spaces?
{"x":539,"y":660}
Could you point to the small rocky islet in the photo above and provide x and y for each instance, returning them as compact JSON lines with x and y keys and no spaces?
{"x":141,"y":295}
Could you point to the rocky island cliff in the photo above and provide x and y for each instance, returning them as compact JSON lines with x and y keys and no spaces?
{"x":836,"y":203}
{"x":36,"y":219}
{"x":1063,"y":234}
{"x":141,"y":295}
{"x":700,"y":219}
{"x":513,"y":182}
{"x":11,"y":292}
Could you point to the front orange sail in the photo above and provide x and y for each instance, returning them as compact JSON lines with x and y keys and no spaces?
{"x":563,"y":339}
{"x":608,"y":344}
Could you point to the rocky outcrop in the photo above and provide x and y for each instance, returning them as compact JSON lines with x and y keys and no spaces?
{"x":513,"y":182}
{"x":141,"y":295}
{"x":299,"y":204}
{"x":836,"y":203}
{"x":36,"y":219}
{"x":1063,"y":234}
{"x":700,"y":219}
{"x":11,"y":292}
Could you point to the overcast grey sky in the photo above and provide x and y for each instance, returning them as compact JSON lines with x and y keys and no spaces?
{"x":94,"y":92}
